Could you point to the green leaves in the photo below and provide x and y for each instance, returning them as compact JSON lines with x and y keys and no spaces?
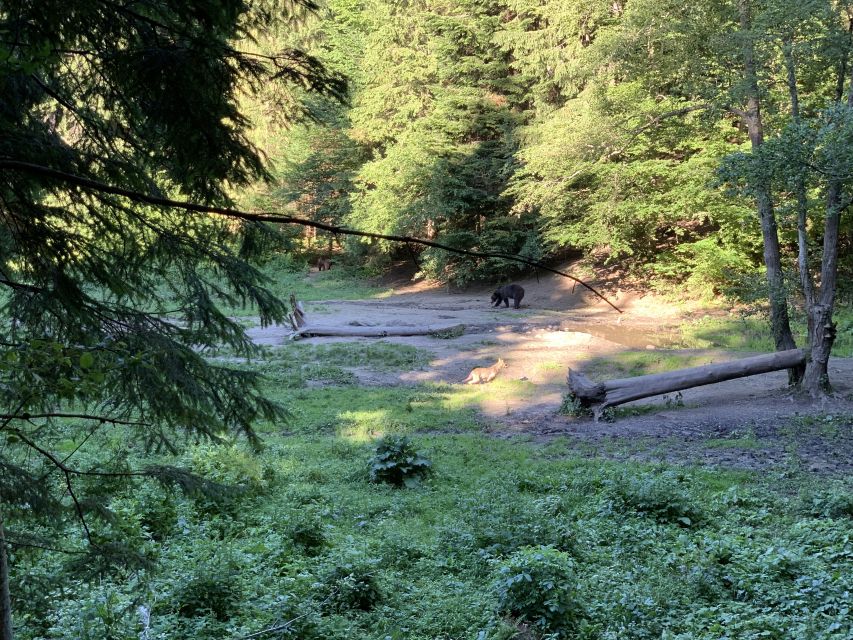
{"x":396,"y":462}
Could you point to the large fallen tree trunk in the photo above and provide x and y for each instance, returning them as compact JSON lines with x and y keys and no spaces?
{"x":599,"y":396}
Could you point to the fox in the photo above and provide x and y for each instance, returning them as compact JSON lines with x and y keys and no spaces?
{"x":480,"y":375}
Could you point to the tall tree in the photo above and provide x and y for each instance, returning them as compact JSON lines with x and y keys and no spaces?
{"x":106,"y":303}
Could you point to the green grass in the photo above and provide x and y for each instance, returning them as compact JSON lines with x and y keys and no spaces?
{"x":340,"y":283}
{"x":379,"y":355}
{"x":311,"y":548}
{"x":296,"y":365}
{"x":359,"y":413}
{"x":627,"y":364}
{"x":701,"y":554}
{"x":752,"y":333}
{"x":748,"y":441}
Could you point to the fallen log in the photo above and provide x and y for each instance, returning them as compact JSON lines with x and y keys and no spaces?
{"x":298,"y":320}
{"x":372,"y":331}
{"x":599,"y":396}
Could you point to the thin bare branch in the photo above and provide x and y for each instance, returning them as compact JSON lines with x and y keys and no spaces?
{"x":94,"y":185}
{"x":81,"y":416}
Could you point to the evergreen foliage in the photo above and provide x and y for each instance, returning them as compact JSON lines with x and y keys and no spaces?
{"x":548,"y":126}
{"x":107,"y":305}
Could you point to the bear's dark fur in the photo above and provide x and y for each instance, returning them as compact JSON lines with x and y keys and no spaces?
{"x":514,"y":291}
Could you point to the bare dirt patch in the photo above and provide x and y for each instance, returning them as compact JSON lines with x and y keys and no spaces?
{"x":561,"y":325}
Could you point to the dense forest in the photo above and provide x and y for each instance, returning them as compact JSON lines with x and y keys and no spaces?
{"x":615,"y":130}
{"x":173,"y":464}
{"x":693,"y":144}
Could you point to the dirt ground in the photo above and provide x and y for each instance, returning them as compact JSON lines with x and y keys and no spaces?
{"x":751,"y":423}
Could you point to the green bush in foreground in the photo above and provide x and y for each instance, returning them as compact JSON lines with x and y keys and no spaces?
{"x":398,"y":463}
{"x":536,"y":585}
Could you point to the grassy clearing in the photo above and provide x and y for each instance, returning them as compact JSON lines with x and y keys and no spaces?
{"x":627,"y":364}
{"x":503,"y":536}
{"x":341,"y":283}
{"x":752,"y":333}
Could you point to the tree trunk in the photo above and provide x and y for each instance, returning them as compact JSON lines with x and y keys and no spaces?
{"x":821,"y":326}
{"x":601,"y":395}
{"x":373,"y":332}
{"x":5,"y":595}
{"x":806,"y":280}
{"x":779,"y":321}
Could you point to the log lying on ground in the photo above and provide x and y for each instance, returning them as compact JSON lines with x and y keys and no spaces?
{"x":373,"y":331}
{"x":299,"y":323}
{"x":599,"y":396}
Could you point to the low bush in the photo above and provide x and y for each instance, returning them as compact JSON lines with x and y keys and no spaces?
{"x":350,"y":586}
{"x":536,"y":585}
{"x":662,"y":497}
{"x":396,"y":462}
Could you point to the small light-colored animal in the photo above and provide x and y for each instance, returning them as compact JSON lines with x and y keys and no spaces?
{"x":514,"y":291}
{"x":480,"y":375}
{"x":324,"y":264}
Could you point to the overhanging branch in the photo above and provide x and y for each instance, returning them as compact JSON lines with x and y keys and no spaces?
{"x":94,"y":185}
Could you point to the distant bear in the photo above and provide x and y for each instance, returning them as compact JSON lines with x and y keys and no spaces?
{"x":514,"y":291}
{"x":324,"y":264}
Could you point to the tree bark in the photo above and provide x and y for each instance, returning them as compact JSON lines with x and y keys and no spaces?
{"x":601,"y":395}
{"x":806,"y":281}
{"x":821,"y":326}
{"x":372,"y":332}
{"x":5,"y":595}
{"x":779,"y":321}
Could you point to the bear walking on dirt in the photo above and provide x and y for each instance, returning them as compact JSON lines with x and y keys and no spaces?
{"x":514,"y":291}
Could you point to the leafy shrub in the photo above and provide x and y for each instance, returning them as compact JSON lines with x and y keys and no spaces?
{"x":830,"y":502}
{"x":571,"y":406}
{"x":101,"y":613}
{"x":498,"y":522}
{"x":350,"y":586}
{"x":157,"y":509}
{"x":396,"y":462}
{"x":537,"y":585}
{"x":307,"y":533}
{"x":231,"y":465}
{"x":213,"y":589}
{"x":662,"y":497}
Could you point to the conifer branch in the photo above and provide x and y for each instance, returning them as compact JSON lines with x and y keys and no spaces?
{"x":31,"y":545}
{"x":81,"y":416}
{"x":66,"y":472}
{"x":94,"y":185}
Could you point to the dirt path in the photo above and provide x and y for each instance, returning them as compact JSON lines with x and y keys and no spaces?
{"x":740,"y":423}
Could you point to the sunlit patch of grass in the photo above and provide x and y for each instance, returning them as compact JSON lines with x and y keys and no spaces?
{"x":378,"y":355}
{"x":752,"y":333}
{"x":732,"y":333}
{"x":463,"y":396}
{"x":338,"y":284}
{"x":294,"y":365}
{"x":627,"y":364}
{"x":747,"y":441}
{"x":358,"y":410}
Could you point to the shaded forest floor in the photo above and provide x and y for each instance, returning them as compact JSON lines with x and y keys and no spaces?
{"x":751,"y":423}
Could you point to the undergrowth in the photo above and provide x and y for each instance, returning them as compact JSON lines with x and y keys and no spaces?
{"x":498,"y":538}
